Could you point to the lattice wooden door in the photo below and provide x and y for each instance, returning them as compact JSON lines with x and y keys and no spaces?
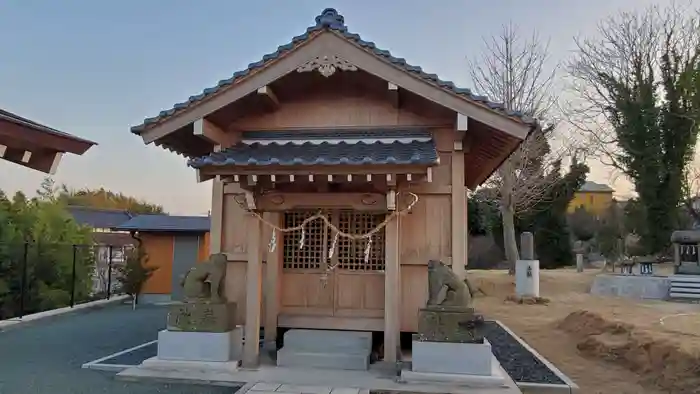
{"x":353,"y":288}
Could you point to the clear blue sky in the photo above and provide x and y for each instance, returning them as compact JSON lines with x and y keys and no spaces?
{"x":95,"y":68}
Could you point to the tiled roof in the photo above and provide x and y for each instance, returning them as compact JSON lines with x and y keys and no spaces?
{"x":331,"y":20}
{"x":166,"y":223}
{"x":589,"y":186}
{"x":326,"y":148}
{"x":98,"y":217}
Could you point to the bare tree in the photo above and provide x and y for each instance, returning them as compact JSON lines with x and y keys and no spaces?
{"x":638,"y":101}
{"x":691,"y":193}
{"x":516,"y":72}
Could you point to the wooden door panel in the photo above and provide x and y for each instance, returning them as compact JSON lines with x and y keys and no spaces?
{"x":374,"y":292}
{"x":303,"y":293}
{"x":349,"y":291}
{"x":359,"y":294}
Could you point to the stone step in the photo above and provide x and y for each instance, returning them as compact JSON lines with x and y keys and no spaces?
{"x":345,"y":361}
{"x":328,"y":341}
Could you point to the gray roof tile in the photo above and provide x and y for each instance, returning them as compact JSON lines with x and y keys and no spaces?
{"x":327,"y":148}
{"x":166,"y":223}
{"x":331,"y":20}
{"x":98,"y":217}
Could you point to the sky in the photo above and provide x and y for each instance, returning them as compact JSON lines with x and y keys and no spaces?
{"x":96,"y":68}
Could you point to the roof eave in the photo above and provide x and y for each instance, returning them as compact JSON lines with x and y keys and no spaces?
{"x":534,"y":127}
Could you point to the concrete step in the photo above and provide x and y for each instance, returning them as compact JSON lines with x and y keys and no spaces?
{"x":328,"y":341}
{"x":344,"y":361}
{"x":684,"y":287}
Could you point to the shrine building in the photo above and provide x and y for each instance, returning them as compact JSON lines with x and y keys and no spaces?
{"x":331,"y":125}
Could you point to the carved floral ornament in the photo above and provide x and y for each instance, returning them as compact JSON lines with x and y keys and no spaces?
{"x":326,"y":65}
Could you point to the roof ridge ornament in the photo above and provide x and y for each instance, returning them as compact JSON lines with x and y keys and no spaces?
{"x":331,"y":18}
{"x":327,"y":65}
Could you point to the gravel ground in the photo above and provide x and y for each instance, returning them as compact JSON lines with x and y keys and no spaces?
{"x":46,"y":357}
{"x":521,"y":365}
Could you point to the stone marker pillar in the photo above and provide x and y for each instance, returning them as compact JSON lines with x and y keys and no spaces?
{"x":579,"y":250}
{"x":579,"y":262}
{"x":527,"y":270}
{"x":527,"y":246}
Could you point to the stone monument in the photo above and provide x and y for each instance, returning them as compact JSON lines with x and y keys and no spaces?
{"x":201,"y":328}
{"x":527,"y":270}
{"x":579,"y":250}
{"x":450,"y":346}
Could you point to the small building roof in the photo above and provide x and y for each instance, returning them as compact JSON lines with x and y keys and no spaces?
{"x":31,"y":144}
{"x":327,"y":147}
{"x":593,"y":187}
{"x":98,"y":217}
{"x":166,"y":223}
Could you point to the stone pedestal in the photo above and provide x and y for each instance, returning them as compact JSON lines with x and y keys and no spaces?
{"x":200,"y":346}
{"x":202,"y":317}
{"x":454,"y":358}
{"x":527,"y":278}
{"x":454,"y":364}
{"x":449,"y":324}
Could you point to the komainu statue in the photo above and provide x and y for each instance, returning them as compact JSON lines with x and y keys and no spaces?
{"x":204,"y":281}
{"x":459,"y":292}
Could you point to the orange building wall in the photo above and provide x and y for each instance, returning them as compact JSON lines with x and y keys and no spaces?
{"x":159,"y":252}
{"x":159,"y":249}
{"x":203,"y":247}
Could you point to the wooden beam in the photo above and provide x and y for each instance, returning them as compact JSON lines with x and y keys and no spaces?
{"x":253,"y":297}
{"x":270,"y":96}
{"x":459,"y":215}
{"x":250,"y":200}
{"x":462,"y":122}
{"x":392,"y":286}
{"x":272,"y":285}
{"x":3,"y":149}
{"x":393,"y":91}
{"x":391,"y":200}
{"x":55,"y":162}
{"x":390,"y":180}
{"x":26,"y":156}
{"x":202,"y":176}
{"x":217,"y":216}
{"x":210,"y":132}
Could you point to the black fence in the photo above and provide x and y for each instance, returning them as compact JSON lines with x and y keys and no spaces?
{"x":36,"y":277}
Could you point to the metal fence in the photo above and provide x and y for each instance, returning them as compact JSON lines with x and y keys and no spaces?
{"x":36,"y":277}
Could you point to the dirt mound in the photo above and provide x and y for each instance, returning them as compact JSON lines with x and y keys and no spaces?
{"x":658,"y":361}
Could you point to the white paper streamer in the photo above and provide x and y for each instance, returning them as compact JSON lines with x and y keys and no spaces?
{"x":331,"y":252}
{"x":368,"y":248}
{"x":303,"y":236}
{"x":273,"y":241}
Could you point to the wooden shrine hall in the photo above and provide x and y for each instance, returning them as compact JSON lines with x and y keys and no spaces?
{"x":378,"y":152}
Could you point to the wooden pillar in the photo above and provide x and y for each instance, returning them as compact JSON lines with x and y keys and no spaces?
{"x":392,"y":291}
{"x":253,"y":296}
{"x":459,"y":212}
{"x":271,"y":295}
{"x":217,"y":215}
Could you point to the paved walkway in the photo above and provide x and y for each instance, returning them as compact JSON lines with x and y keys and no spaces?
{"x":46,"y":357}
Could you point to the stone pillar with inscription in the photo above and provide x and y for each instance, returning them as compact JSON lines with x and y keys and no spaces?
{"x":201,"y":329}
